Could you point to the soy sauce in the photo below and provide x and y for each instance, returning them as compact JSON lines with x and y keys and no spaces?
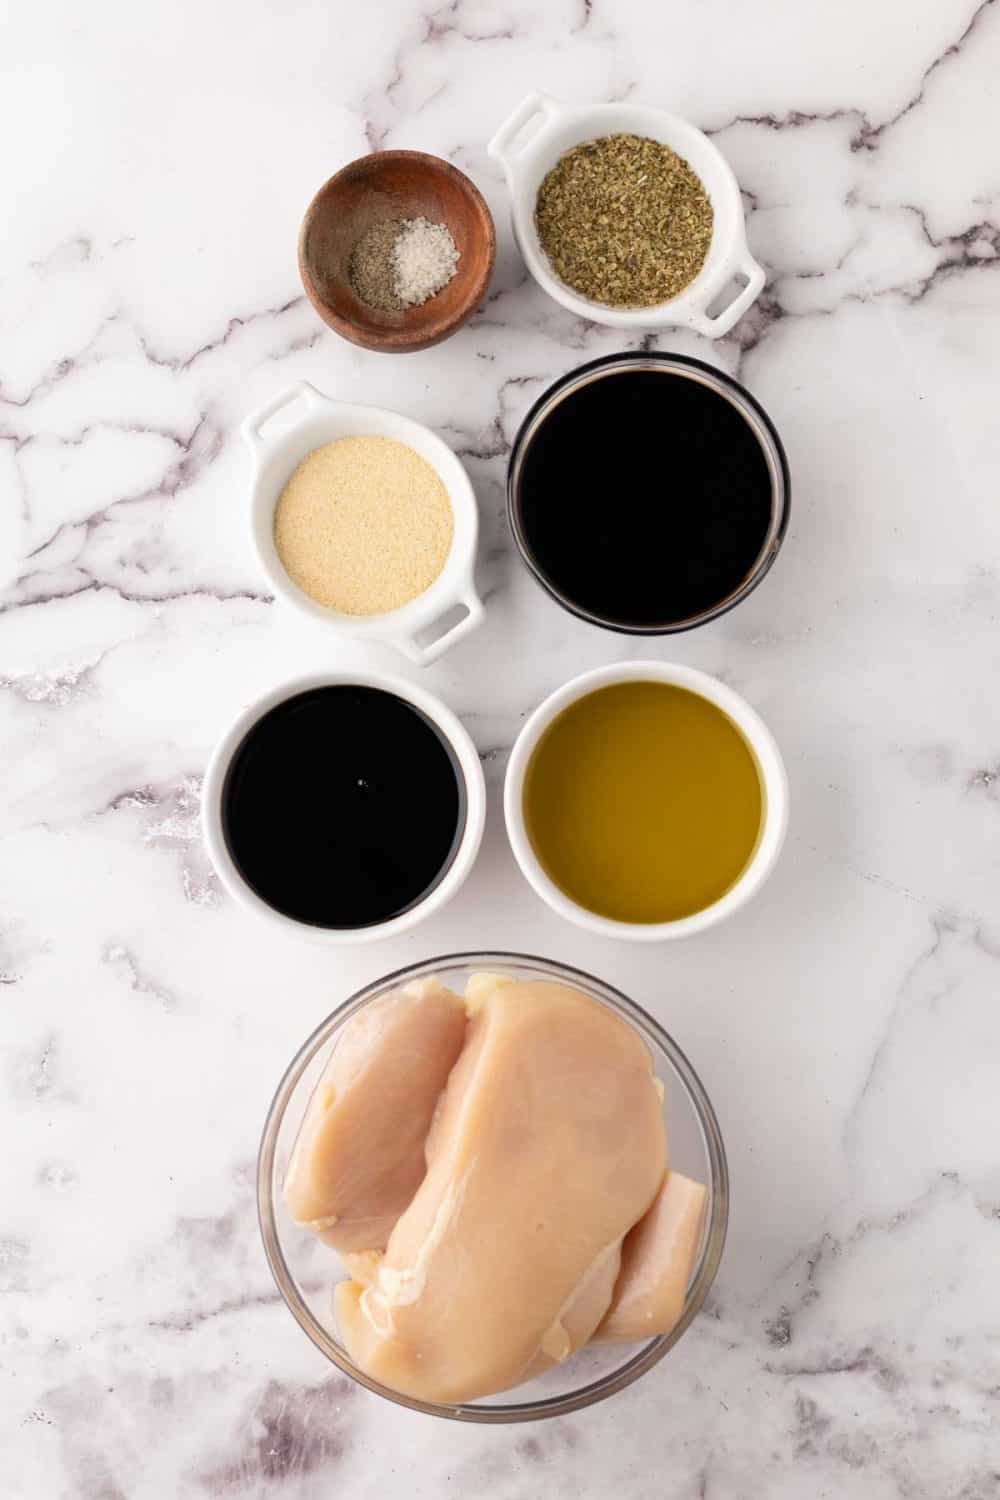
{"x":343,"y":807}
{"x":643,"y":498}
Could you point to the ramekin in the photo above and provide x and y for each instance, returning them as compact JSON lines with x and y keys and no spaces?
{"x":730,"y":280}
{"x":451,"y":730}
{"x":770,"y":766}
{"x":424,"y":627}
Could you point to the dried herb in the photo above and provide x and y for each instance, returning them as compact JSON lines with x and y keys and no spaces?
{"x":624,"y":220}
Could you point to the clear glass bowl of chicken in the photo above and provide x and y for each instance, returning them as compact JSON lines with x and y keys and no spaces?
{"x":492,"y":1188}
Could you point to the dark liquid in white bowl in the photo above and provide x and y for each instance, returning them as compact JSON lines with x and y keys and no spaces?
{"x":343,"y":807}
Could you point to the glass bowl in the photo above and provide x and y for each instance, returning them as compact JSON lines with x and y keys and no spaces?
{"x":671,"y":367}
{"x":306,"y":1270}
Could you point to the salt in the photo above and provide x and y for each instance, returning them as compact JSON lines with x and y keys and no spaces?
{"x":424,"y":259}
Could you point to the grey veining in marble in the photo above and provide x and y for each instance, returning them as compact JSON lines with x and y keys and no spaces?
{"x":847,"y":1024}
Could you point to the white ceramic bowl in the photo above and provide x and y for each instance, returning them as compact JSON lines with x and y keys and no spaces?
{"x":451,"y":729}
{"x":769,"y":764}
{"x":729,"y":281}
{"x":276,"y":455}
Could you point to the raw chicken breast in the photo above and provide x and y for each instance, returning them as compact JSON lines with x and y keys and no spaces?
{"x":359,"y":1155}
{"x":547,"y":1147}
{"x":657,"y":1258}
{"x":361,"y":1265}
{"x":580,"y":1316}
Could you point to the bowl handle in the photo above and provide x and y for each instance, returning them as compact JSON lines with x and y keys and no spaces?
{"x":471,"y":620}
{"x":300,"y":391}
{"x":715,"y":327}
{"x":535,"y":104}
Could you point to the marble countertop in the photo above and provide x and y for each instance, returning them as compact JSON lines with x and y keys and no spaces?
{"x":846,"y":1023}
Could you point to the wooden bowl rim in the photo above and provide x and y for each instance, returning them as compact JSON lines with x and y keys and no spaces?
{"x":398,"y":340}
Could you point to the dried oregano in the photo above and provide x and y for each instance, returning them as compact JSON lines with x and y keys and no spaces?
{"x":624,"y":220}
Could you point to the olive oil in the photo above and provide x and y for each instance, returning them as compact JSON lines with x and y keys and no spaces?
{"x":643,"y":802}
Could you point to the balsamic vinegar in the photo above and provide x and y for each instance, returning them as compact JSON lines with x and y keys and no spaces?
{"x":343,"y":807}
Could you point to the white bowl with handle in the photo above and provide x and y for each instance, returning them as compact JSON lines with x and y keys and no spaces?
{"x":276,"y":454}
{"x":541,"y":130}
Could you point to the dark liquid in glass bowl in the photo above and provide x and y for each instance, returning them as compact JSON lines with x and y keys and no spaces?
{"x":644,"y":498}
{"x":343,"y":807}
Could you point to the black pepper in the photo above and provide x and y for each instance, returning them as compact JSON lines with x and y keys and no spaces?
{"x":371,"y":266}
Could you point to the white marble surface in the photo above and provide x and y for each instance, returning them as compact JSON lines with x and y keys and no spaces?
{"x":847,"y":1024}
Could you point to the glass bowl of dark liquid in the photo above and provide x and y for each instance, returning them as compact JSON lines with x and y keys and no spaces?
{"x":648,"y":493}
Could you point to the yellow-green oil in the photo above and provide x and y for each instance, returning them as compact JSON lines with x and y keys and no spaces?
{"x":643,"y":802}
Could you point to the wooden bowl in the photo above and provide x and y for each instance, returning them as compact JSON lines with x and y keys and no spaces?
{"x":396,"y":185}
